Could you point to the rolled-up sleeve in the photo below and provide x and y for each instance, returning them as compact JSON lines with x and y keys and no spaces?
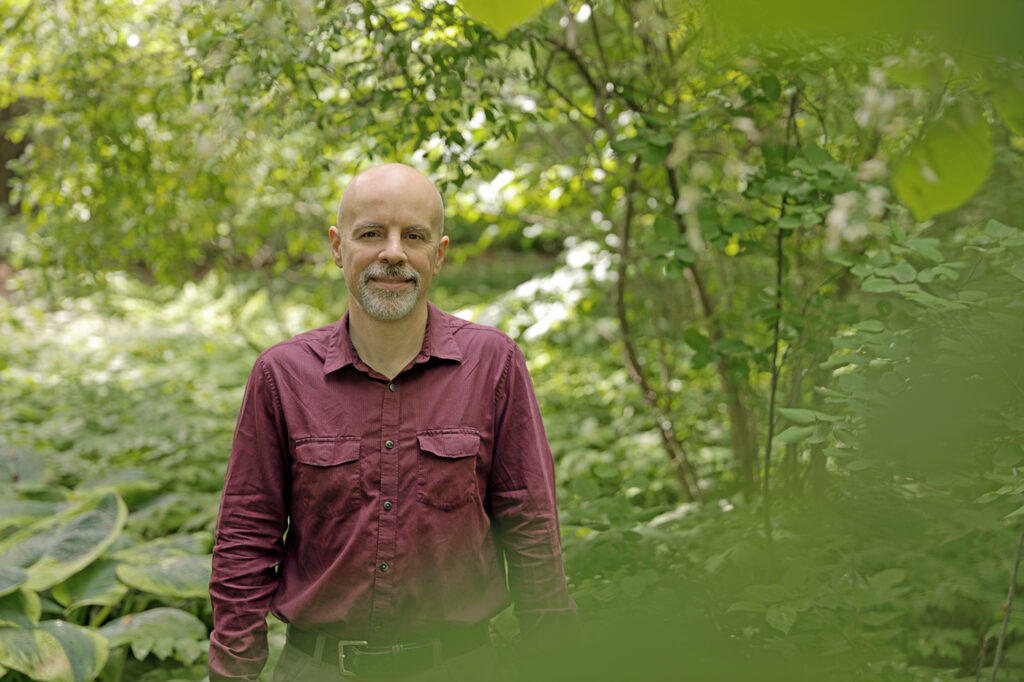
{"x":249,"y":537}
{"x":522,"y":504}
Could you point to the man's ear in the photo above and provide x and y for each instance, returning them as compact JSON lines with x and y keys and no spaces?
{"x":442,"y":247}
{"x":335,"y":236}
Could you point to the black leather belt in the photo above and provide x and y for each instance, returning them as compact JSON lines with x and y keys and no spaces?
{"x":355,"y":658}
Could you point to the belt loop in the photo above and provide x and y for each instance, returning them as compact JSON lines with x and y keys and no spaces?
{"x":318,"y":648}
{"x":435,"y":644}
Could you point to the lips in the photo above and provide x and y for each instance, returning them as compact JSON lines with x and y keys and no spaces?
{"x":390,"y":283}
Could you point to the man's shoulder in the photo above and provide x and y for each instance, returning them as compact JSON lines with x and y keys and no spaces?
{"x":477,"y":338}
{"x":305,"y":347}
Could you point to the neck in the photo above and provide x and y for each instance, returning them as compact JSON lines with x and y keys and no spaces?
{"x":389,"y":346}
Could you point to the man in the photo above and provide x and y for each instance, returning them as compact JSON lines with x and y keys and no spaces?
{"x":402,"y":450}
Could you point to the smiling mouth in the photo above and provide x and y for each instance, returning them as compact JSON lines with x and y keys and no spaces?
{"x":391,"y":283}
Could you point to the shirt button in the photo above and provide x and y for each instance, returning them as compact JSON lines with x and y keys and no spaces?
{"x":392,"y":387}
{"x":384,"y":567}
{"x":389,"y":444}
{"x":387,"y":505}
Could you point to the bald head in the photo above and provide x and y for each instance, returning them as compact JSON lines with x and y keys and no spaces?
{"x":388,"y":184}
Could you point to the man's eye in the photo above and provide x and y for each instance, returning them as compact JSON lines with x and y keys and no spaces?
{"x":414,"y":235}
{"x":369,"y":233}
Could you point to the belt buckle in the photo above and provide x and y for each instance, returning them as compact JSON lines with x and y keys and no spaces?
{"x":341,"y":654}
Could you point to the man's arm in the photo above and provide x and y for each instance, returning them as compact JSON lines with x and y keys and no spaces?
{"x":249,"y":545}
{"x":522,"y":501}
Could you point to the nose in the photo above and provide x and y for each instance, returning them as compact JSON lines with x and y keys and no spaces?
{"x":391,"y":251}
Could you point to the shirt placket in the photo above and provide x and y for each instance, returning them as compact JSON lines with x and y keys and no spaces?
{"x":387,"y":525}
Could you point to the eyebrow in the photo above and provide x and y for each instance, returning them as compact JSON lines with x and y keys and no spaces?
{"x":373,"y":225}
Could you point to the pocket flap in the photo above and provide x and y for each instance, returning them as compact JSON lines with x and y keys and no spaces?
{"x":328,"y":453}
{"x":449,"y":443}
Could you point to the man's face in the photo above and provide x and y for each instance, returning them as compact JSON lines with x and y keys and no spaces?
{"x":388,"y":241}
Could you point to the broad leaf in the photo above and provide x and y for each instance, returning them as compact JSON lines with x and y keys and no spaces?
{"x":500,"y":17}
{"x":794,"y":434}
{"x":166,"y":547}
{"x":177,"y":577}
{"x":54,"y":651}
{"x":127,"y":482}
{"x":158,"y":630}
{"x":781,"y":617}
{"x":20,"y":465}
{"x":95,"y":585}
{"x":1009,"y":102}
{"x":54,"y":549}
{"x":887,"y":578}
{"x":11,"y":577}
{"x":948,"y":164}
{"x":20,"y":609}
{"x":798,"y":416}
{"x":21,"y":512}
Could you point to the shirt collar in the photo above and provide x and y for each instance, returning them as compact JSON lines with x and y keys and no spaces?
{"x":438,"y":342}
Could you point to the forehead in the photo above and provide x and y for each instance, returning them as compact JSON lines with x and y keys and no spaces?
{"x":387,"y":199}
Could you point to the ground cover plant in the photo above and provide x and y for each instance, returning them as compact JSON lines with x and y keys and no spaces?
{"x":767,"y":279}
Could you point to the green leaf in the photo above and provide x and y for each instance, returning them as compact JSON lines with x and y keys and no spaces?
{"x":654,"y":154}
{"x":788,"y":222}
{"x":877,"y":285}
{"x":879,"y":617}
{"x":633,"y":585}
{"x":55,"y":651}
{"x":125,"y":482}
{"x":948,"y":164}
{"x":781,"y":617}
{"x":731,"y":346}
{"x":794,"y":434}
{"x":142,"y":646}
{"x":11,"y":578}
{"x":500,"y":17}
{"x":166,"y":547}
{"x":696,"y":340}
{"x":95,"y":585}
{"x":178,"y":577}
{"x":20,"y":512}
{"x":796,"y":415}
{"x":584,"y":488}
{"x":994,"y":228}
{"x":887,"y":579}
{"x":771,"y":87}
{"x":21,"y":465}
{"x":159,"y":630}
{"x":665,"y":229}
{"x":927,"y":247}
{"x":1009,"y":102}
{"x":870,"y":326}
{"x":816,"y":155}
{"x":746,"y":606}
{"x":53,"y":549}
{"x":738,"y":224}
{"x":904,"y":272}
{"x":20,"y":609}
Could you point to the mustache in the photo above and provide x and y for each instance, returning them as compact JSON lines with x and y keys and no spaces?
{"x":380,"y":271}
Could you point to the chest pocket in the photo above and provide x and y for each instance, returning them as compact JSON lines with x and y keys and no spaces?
{"x":446,"y":467}
{"x":325,"y":477}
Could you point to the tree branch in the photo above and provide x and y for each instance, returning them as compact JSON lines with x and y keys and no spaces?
{"x":684,"y":471}
{"x":779,"y":237}
{"x":1008,"y":608}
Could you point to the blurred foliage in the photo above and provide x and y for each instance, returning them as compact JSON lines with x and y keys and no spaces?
{"x":767,"y":278}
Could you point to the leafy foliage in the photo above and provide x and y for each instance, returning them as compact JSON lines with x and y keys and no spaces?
{"x":769,"y":291}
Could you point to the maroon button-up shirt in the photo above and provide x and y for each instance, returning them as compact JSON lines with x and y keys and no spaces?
{"x":401,"y":499}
